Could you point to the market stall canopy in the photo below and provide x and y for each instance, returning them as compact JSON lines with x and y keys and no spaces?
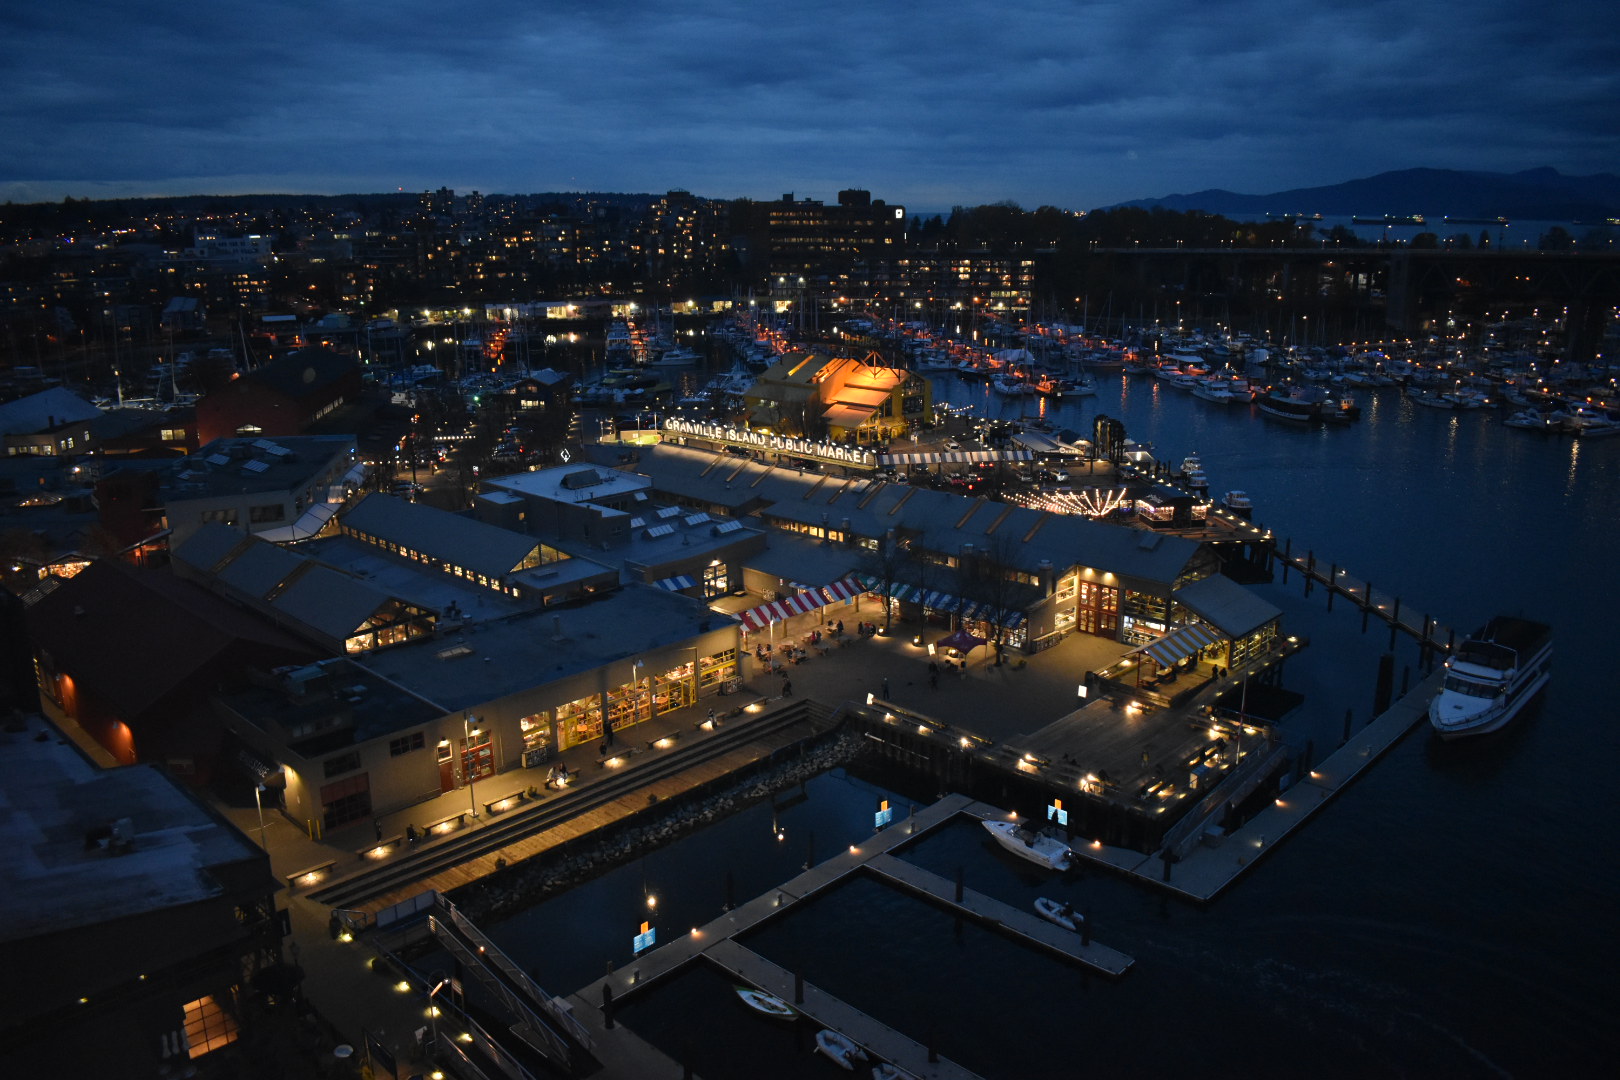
{"x":760,"y":617}
{"x":960,"y":639}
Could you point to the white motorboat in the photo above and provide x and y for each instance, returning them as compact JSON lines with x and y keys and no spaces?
{"x":1531,"y":420}
{"x":1060,"y":913}
{"x":1239,"y":503}
{"x":1039,"y":847}
{"x":844,"y":1051}
{"x":768,"y":1004}
{"x":1491,"y":676}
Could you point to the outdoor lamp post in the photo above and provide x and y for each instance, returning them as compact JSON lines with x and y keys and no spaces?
{"x":258,"y":802}
{"x":469,"y":729}
{"x":433,"y":1010}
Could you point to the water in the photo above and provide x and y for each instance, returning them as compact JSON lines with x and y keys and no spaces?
{"x":1449,"y":914}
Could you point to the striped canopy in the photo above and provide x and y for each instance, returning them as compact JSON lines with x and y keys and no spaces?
{"x":800,"y":603}
{"x":1180,"y":643}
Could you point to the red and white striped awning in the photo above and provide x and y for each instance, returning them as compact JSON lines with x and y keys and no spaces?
{"x":800,"y":603}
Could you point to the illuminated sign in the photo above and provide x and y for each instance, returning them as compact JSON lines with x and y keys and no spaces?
{"x":644,"y":940}
{"x":1056,"y":813}
{"x":884,"y":815}
{"x":833,"y":453}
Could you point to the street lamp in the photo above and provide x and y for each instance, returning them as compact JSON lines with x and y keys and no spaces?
{"x":433,"y":1011}
{"x":469,"y":730}
{"x":258,"y":802}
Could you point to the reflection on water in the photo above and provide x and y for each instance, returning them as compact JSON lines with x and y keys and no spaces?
{"x":1449,"y":910}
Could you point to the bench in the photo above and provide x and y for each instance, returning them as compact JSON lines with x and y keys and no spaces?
{"x":381,"y":847}
{"x":444,"y":824}
{"x":505,"y":803}
{"x":312,"y":873}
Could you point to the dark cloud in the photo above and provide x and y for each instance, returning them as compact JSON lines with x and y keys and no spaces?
{"x":1044,"y":103}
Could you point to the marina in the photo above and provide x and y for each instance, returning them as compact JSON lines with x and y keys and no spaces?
{"x":1336,"y":667}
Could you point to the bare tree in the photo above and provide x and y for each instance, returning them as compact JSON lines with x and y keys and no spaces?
{"x":890,"y":564}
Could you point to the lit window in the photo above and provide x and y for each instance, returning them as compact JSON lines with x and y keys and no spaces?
{"x":208,"y":1026}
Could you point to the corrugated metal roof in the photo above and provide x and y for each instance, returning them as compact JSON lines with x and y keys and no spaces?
{"x":460,"y":541}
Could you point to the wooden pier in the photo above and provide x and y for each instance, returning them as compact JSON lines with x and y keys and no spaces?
{"x":1431,"y":635}
{"x":715,"y":942}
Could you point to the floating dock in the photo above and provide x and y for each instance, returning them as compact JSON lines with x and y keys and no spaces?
{"x":716,"y":943}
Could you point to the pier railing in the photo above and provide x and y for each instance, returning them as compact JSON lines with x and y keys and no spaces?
{"x":1430,"y":633}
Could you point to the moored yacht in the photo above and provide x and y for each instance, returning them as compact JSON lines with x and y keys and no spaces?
{"x":1041,"y":847}
{"x":1492,"y":675}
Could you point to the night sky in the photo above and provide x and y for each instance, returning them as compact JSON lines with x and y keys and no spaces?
{"x":1071,"y":104}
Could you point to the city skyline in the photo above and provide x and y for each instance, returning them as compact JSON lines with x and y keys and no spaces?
{"x":1048,"y":104}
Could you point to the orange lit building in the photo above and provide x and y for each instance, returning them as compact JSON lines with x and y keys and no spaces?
{"x":838,"y":398}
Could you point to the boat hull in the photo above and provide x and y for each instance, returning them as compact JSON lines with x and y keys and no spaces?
{"x":1041,"y":850}
{"x":1491,"y":677}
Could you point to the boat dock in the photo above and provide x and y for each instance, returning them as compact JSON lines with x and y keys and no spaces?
{"x":1205,"y":869}
{"x":716,"y":943}
{"x":1430,"y":634}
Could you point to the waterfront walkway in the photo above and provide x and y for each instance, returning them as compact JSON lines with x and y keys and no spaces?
{"x":1207,"y":869}
{"x":716,"y":942}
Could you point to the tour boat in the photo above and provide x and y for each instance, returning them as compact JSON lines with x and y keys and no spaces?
{"x":1238,"y":503}
{"x":1491,"y":676}
{"x":1062,"y":914}
{"x":844,"y":1051}
{"x":1041,"y":848}
{"x":1294,"y":403}
{"x":769,"y":1004}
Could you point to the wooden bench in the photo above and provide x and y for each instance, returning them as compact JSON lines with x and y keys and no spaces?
{"x":459,"y":819}
{"x":368,"y":852}
{"x":505,"y":803}
{"x":313,"y":872}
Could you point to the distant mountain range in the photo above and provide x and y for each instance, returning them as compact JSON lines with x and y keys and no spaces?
{"x":1534,"y":195}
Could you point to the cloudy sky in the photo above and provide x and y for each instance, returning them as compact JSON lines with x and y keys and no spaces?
{"x":1075,"y":104}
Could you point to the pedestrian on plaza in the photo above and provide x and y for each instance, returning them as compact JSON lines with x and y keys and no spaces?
{"x":711,"y":718}
{"x":840,"y":627}
{"x":885,"y":688}
{"x":933,"y":677}
{"x":376,"y":827}
{"x":787,"y":687}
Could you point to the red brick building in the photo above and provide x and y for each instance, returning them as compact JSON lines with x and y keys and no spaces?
{"x":283,"y":397}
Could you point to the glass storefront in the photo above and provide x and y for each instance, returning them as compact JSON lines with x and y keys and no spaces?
{"x":579,"y":721}
{"x":715,"y":671}
{"x":537,"y":739}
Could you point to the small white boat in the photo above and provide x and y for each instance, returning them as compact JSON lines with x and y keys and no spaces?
{"x":1060,"y":913}
{"x":1531,"y":420}
{"x":1239,"y":503}
{"x":1041,"y":848}
{"x":769,"y":1004}
{"x":843,"y":1050}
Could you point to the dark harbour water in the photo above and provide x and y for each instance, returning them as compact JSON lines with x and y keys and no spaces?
{"x":1450,"y":914}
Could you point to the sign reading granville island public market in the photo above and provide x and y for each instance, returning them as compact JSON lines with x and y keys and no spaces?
{"x":817,"y":450}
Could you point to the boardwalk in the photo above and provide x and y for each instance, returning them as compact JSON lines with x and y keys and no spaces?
{"x":1206,"y":871}
{"x":1385,"y":606}
{"x":716,"y":942}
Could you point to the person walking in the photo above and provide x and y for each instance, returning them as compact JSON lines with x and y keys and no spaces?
{"x":885,"y":688}
{"x":787,"y":687}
